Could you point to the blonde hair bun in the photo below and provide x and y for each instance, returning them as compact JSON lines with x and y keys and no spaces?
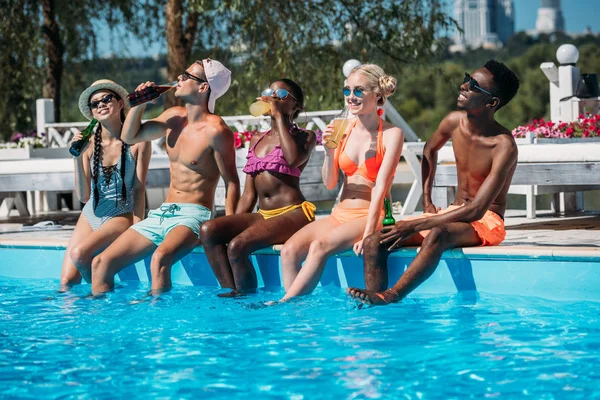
{"x":384,"y":85}
{"x":387,"y":85}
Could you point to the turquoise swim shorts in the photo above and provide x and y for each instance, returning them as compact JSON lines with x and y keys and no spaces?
{"x":171,"y":215}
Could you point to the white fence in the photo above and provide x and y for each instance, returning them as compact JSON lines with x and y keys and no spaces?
{"x":60,"y":134}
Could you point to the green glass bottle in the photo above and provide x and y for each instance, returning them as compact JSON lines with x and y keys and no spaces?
{"x":77,"y":147}
{"x":389,"y":217}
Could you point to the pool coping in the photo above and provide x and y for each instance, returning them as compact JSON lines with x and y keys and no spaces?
{"x":502,"y":252}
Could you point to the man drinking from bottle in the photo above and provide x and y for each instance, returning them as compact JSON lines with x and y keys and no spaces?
{"x":200,"y":149}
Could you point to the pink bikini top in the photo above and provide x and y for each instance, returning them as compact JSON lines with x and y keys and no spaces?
{"x":272,"y":162}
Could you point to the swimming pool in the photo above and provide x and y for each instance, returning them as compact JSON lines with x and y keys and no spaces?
{"x":553,"y":273}
{"x":191,"y":344}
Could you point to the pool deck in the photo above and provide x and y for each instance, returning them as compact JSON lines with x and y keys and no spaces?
{"x":549,"y":234}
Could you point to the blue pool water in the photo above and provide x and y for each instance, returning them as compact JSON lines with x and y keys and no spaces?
{"x":191,"y":344}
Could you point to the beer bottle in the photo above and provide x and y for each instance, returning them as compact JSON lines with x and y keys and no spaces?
{"x":149,"y":94}
{"x":389,"y":218}
{"x":77,"y":147}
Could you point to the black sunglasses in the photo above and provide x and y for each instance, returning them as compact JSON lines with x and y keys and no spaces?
{"x":357,"y":92}
{"x":186,"y":75}
{"x":473,"y":84}
{"x":105,"y":100}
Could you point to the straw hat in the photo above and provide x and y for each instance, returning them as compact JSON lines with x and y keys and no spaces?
{"x":102,"y":84}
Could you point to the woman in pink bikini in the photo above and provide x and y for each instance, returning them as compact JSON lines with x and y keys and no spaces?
{"x":275,"y":161}
{"x":368,"y":156}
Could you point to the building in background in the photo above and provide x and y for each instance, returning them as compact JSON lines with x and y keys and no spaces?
{"x":485,"y":23}
{"x":549,"y":17}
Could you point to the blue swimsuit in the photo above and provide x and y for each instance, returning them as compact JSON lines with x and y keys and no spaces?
{"x":110,"y":203}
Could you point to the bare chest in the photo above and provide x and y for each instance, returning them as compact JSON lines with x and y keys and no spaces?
{"x":474,"y":157}
{"x":189,"y":148}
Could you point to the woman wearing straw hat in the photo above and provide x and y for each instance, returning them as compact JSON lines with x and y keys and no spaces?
{"x":110,"y":178}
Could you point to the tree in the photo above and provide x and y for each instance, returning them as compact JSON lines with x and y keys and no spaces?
{"x":270,"y":34}
{"x":180,"y":37}
{"x":69,"y":35}
{"x":20,"y":59}
{"x":54,"y":55}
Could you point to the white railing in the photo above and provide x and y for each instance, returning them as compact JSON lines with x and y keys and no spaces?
{"x":60,"y":134}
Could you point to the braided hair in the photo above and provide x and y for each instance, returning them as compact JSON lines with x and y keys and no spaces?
{"x":97,"y":162}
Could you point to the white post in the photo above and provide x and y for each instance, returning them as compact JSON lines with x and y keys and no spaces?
{"x":44,"y":114}
{"x":563,"y":83}
{"x":568,"y":78}
{"x":551,"y":72}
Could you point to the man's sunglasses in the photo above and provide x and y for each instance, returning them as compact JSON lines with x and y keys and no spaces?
{"x":357,"y":92}
{"x":473,"y":84}
{"x":279,"y":93}
{"x":105,"y":100}
{"x":186,"y":75}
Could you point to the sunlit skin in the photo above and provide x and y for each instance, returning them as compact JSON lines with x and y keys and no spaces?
{"x":228,"y":241}
{"x":200,"y":150}
{"x":486,"y":157}
{"x":86,"y":243}
{"x":327,"y":236}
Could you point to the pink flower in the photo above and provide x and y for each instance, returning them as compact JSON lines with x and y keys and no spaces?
{"x":237,"y":141}
{"x":569,"y":132}
{"x":248,"y":135}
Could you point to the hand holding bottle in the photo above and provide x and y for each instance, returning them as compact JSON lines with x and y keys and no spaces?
{"x":148,"y":92}
{"x":76,"y":137}
{"x":329,"y":130}
{"x":340,"y":125}
{"x":81,"y":140}
{"x":274,"y":104}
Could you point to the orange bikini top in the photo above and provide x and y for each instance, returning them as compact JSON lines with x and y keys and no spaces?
{"x":370,"y":167}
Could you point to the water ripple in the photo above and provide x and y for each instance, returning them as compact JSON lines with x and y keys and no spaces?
{"x":190,"y":343}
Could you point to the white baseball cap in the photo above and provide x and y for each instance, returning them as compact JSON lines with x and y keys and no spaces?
{"x":219,"y":79}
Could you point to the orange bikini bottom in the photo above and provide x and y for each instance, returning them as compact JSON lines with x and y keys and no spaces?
{"x":343,"y":215}
{"x":490,"y":228}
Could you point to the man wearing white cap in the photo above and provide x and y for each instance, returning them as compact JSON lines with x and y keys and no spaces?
{"x":200,"y":148}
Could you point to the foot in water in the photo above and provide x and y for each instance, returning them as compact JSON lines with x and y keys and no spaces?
{"x":233,"y":293}
{"x":373,"y":298}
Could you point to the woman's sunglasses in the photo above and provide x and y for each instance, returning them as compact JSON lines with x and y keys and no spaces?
{"x":105,"y":100}
{"x":186,"y":75}
{"x":279,"y":93}
{"x":473,"y":84}
{"x":357,"y":92}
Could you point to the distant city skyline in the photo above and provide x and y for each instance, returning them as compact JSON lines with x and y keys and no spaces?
{"x":485,"y":23}
{"x":578,"y":15}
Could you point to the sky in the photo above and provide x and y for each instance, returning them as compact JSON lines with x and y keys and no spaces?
{"x":578,"y":14}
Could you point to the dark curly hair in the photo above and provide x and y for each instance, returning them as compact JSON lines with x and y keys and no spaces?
{"x":296,"y":92}
{"x":506,"y":83}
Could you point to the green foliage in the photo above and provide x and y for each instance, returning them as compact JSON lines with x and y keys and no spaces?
{"x":264,"y":40}
{"x":20,"y":58}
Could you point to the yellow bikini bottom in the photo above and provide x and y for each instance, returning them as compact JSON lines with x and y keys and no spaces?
{"x":308,"y":208}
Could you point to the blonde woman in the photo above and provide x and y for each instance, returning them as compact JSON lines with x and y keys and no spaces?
{"x":367,"y":155}
{"x":110,"y":178}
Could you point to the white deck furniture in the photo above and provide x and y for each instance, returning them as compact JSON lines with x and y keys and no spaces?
{"x":36,"y":176}
{"x":564,"y":169}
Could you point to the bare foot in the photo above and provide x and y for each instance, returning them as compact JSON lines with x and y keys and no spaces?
{"x":373,"y":298}
{"x":233,"y":293}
